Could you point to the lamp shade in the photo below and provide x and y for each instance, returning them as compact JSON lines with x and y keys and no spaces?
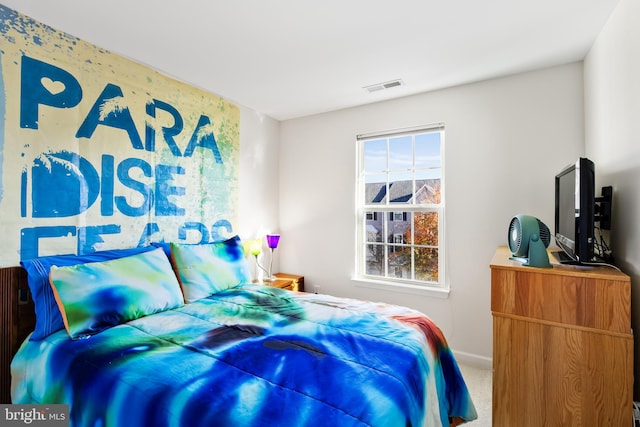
{"x":272,"y":240}
{"x":255,"y":247}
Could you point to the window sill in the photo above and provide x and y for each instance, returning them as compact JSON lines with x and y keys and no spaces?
{"x":441,"y":293}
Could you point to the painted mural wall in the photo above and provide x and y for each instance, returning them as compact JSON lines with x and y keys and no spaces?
{"x":100,"y":152}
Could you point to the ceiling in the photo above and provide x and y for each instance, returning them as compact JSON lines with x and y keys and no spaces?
{"x":292,"y":58}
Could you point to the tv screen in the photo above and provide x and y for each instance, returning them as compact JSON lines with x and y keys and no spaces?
{"x":574,"y":211}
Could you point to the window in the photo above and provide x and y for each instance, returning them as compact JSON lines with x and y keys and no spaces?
{"x":400,"y":207}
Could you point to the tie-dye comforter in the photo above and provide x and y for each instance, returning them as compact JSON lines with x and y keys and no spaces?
{"x":252,"y":356}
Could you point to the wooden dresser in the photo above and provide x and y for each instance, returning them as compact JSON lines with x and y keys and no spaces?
{"x":562,"y":345}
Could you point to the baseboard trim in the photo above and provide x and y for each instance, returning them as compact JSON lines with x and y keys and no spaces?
{"x":474,"y":360}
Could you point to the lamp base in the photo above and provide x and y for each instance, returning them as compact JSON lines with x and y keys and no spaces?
{"x":269,"y":279}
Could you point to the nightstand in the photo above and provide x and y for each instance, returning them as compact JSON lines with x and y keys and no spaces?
{"x":291,"y":282}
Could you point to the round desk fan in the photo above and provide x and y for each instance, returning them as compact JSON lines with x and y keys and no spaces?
{"x":528,"y":241}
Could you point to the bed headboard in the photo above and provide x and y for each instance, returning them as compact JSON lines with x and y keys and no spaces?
{"x":17,"y":320}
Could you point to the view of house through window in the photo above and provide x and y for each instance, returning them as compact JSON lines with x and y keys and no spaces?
{"x":400,"y":206}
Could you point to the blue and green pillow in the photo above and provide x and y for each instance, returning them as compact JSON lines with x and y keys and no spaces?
{"x":208,"y":268}
{"x":95,"y":296}
{"x":48,"y":318}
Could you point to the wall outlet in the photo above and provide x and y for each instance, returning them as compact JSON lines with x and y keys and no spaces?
{"x":316,"y":289}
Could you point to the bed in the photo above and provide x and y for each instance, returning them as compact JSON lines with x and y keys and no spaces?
{"x":177,"y":335}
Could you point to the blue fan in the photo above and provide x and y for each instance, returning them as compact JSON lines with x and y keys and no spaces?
{"x":528,"y":241}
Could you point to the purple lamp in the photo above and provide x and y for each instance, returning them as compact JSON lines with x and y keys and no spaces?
{"x":272,"y":242}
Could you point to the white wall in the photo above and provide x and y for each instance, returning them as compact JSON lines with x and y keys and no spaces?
{"x":612,"y":117}
{"x":259,"y":165}
{"x":505,"y":141}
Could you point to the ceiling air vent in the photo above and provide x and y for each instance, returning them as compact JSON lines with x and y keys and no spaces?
{"x":382,"y":86}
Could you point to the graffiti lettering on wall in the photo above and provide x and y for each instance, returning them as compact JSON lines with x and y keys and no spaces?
{"x":108,"y":153}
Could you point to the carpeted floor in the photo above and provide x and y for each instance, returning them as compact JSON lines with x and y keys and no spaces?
{"x":479,"y":383}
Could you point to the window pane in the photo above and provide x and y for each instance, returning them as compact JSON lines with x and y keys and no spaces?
{"x":373,"y":226}
{"x":375,"y":189}
{"x":426,"y":260}
{"x":427,"y":150}
{"x":399,"y":262}
{"x":399,"y":224}
{"x":375,"y":155}
{"x":374,"y":260}
{"x":425,"y":225}
{"x":400,"y":187}
{"x":427,"y":191}
{"x":375,"y":177}
{"x":401,"y":153}
{"x":435,"y":173}
{"x":427,"y":155}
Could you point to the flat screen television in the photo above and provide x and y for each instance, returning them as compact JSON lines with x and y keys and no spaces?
{"x":575,"y":212}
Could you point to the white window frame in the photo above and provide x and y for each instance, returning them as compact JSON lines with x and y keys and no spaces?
{"x":438,"y":288}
